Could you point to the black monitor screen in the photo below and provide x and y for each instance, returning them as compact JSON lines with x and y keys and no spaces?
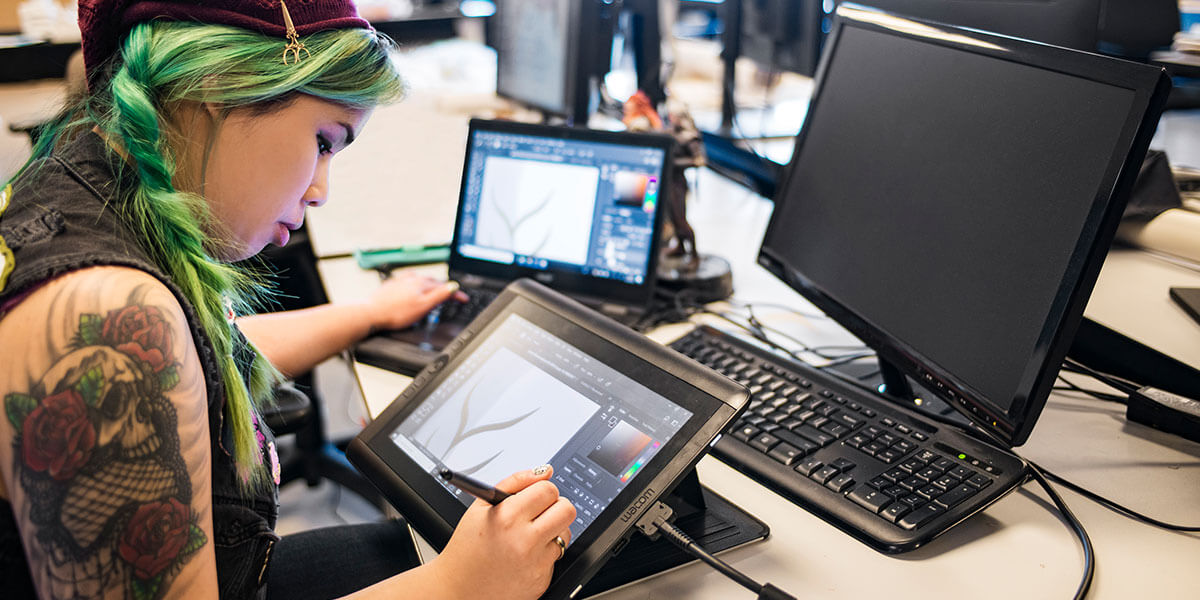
{"x":533,"y":53}
{"x":939,"y":195}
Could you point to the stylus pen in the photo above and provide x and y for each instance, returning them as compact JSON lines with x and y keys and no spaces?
{"x":474,"y":487}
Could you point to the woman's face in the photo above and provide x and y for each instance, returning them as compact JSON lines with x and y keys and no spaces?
{"x":263,"y":170}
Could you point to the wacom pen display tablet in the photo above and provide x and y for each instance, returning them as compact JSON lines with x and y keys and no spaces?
{"x":536,"y":379}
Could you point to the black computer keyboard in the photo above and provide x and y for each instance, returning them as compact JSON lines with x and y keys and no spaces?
{"x":880,"y":472}
{"x":463,"y":312}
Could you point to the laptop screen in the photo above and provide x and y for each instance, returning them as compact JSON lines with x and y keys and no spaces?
{"x":562,"y":201}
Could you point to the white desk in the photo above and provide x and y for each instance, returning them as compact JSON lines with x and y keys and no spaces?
{"x":1017,"y":548}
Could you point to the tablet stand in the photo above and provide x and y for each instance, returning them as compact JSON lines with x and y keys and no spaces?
{"x":712,"y":521}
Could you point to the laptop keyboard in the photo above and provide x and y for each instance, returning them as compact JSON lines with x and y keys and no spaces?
{"x":463,"y":312}
{"x":892,"y":479}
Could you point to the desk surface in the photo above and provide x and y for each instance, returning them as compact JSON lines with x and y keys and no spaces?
{"x":1016,"y":548}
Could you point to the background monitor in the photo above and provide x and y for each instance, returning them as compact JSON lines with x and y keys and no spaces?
{"x":784,"y":35}
{"x":951,"y":197}
{"x":551,"y":53}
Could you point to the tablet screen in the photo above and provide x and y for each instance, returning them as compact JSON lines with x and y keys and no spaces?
{"x":526,"y":397}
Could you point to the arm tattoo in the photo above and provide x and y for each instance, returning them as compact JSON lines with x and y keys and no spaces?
{"x":97,"y":453}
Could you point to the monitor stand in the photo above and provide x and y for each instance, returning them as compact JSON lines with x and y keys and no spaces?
{"x":710,"y":520}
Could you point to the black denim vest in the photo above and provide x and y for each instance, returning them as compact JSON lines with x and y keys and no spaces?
{"x":61,"y":219}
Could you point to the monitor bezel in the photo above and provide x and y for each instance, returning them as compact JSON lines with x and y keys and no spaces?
{"x":713,"y":400}
{"x":571,"y":283}
{"x":1011,"y":426}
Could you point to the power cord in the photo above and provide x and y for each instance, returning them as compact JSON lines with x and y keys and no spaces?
{"x":657,"y":521}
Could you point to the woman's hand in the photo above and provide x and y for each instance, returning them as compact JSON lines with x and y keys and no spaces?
{"x":405,"y":297}
{"x":507,"y":551}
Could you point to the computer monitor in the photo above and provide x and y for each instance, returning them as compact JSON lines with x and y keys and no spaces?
{"x":784,"y":34}
{"x":951,"y":197}
{"x":1067,"y":23}
{"x":550,"y":53}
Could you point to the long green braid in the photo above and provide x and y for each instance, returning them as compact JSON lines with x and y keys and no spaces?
{"x":162,"y":63}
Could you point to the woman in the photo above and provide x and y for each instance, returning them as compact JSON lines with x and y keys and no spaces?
{"x":133,"y":461}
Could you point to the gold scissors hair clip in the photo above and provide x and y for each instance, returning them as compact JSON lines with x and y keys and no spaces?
{"x":294,"y":45}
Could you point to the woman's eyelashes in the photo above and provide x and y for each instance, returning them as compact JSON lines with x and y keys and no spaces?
{"x":323,"y":145}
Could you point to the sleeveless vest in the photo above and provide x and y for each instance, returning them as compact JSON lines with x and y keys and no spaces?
{"x":61,"y":219}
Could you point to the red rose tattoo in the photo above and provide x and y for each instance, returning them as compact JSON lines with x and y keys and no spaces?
{"x":58,"y":437}
{"x":154,"y":537}
{"x":139,"y":331}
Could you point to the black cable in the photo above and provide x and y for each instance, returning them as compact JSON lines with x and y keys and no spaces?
{"x":1089,"y":557}
{"x":657,"y":521}
{"x":1072,"y":387}
{"x":1111,"y":505}
{"x":1113,"y":381}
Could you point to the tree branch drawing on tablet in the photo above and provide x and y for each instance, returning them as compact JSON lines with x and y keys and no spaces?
{"x":466,"y":430}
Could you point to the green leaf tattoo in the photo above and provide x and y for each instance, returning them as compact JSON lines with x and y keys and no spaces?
{"x":17,"y":407}
{"x":196,"y":539}
{"x":146,"y":589}
{"x":90,"y":386}
{"x":168,"y":378}
{"x":90,"y":327}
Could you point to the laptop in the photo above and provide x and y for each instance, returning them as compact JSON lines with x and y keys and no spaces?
{"x":578,"y":210}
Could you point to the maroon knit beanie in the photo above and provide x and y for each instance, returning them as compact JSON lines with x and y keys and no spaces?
{"x":103,"y":23}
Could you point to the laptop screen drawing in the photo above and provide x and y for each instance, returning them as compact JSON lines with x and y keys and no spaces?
{"x":554,"y":204}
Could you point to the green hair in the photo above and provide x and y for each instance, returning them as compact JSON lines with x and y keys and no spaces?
{"x":162,"y":63}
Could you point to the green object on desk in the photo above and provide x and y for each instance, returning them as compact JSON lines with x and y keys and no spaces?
{"x":403,"y":256}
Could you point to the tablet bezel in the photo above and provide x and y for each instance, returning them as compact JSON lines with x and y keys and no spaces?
{"x":712,"y":399}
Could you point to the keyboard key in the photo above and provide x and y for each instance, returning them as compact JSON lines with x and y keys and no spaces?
{"x":753,"y":419}
{"x":957,"y":495}
{"x":912,"y":484}
{"x":817,"y":437}
{"x":920,"y":437}
{"x":840,"y":483}
{"x":921,"y":516}
{"x":902,"y":428}
{"x":786,"y":453}
{"x":904,"y":446}
{"x":746,"y":433}
{"x":894,"y":511}
{"x":768,"y":427}
{"x":791,"y":423}
{"x":873,"y":448}
{"x":914,"y":500}
{"x":764,"y":442}
{"x":857,"y":440}
{"x":823,"y":474}
{"x":945,"y":482}
{"x":835,"y":430}
{"x":929,"y":473}
{"x":888,"y":421}
{"x":789,"y":391}
{"x":848,"y":420}
{"x":872,"y":500}
{"x":960,"y":472}
{"x":895,"y":475}
{"x":809,"y":466}
{"x":889,"y":456}
{"x":927,"y":456}
{"x":804,"y":444}
{"x":880,"y":482}
{"x":944,"y":464}
{"x":930,"y":492}
{"x":842,"y":464}
{"x":979,"y":480}
{"x":911,"y":465}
